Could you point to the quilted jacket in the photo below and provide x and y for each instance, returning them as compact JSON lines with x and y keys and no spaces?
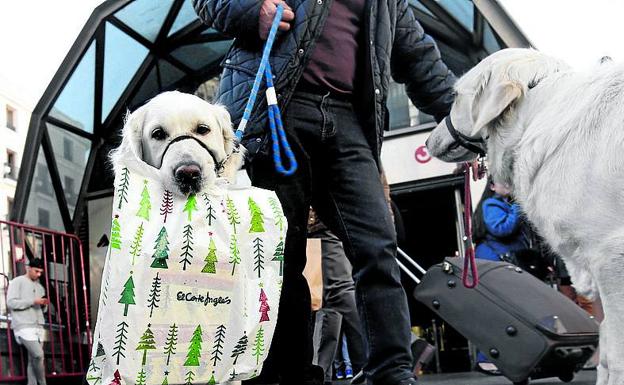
{"x":396,"y":45}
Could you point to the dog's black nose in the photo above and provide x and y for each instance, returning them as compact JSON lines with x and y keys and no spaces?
{"x":188,"y":177}
{"x":188,"y":171}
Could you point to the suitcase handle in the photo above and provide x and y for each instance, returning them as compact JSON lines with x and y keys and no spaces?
{"x":407,"y":271}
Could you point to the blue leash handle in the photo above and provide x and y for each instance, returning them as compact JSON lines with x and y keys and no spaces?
{"x":277,"y":129}
{"x":278,"y":136}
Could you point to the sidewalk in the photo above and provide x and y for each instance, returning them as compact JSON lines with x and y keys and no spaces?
{"x":584,"y":377}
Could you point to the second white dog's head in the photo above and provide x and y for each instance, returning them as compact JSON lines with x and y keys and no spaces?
{"x":485,"y":100}
{"x":188,"y":141}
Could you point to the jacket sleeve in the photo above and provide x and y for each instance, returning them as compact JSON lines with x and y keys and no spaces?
{"x":234,"y":18}
{"x":500,"y":220}
{"x":416,"y":61}
{"x":14,"y":302}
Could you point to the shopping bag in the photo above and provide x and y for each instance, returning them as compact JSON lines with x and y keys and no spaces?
{"x":191,"y":284}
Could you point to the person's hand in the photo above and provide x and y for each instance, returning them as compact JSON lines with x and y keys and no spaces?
{"x":41,"y":301}
{"x":267,"y":14}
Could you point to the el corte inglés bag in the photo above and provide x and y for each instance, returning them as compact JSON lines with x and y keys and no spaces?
{"x":191,"y":285}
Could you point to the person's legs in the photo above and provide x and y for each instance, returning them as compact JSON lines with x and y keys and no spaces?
{"x":339,"y":295}
{"x":35,"y":371}
{"x":290,"y":355}
{"x":344,"y":347}
{"x":348,"y":196}
{"x":339,"y":367}
{"x":327,"y":338}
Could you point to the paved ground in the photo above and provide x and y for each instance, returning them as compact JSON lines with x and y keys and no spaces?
{"x":585,"y":377}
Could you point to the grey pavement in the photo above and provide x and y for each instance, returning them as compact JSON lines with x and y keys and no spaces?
{"x":584,"y":377}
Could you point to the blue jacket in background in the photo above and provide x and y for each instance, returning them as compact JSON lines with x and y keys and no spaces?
{"x":502,"y":222}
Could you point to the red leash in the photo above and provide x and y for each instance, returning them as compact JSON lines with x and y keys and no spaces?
{"x":478,"y":171}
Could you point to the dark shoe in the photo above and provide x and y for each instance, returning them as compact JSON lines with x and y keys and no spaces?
{"x":359,"y":379}
{"x":409,"y":381}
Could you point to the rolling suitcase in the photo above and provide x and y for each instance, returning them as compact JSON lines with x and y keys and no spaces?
{"x":525,"y":327}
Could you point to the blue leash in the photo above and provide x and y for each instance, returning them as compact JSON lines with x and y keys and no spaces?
{"x":278,"y":136}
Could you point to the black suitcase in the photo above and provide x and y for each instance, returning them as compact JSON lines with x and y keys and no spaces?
{"x":525,"y":327}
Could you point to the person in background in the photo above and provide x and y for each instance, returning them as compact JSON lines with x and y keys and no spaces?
{"x":27,"y":301}
{"x":498,"y":224}
{"x":339,"y":296}
{"x":342,"y":362}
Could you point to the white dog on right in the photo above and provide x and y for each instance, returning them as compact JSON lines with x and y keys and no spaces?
{"x":556,"y":136}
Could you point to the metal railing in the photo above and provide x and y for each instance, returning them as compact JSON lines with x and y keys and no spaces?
{"x":67,"y":337}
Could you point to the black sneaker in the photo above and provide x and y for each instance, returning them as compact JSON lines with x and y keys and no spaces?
{"x":409,"y":381}
{"x":359,"y":378}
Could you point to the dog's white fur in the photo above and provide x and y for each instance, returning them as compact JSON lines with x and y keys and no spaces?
{"x":178,"y":114}
{"x":556,"y":136}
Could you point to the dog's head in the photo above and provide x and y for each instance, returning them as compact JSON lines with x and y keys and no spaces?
{"x":188,"y":141}
{"x":485,"y":99}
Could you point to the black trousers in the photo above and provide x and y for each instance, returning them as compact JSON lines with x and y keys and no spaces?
{"x":339,"y":177}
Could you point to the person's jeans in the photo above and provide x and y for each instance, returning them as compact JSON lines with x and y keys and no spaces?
{"x":339,"y":177}
{"x":342,"y":355}
{"x":35,"y":369}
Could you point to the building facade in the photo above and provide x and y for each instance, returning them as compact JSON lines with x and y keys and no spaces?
{"x":14,"y":118}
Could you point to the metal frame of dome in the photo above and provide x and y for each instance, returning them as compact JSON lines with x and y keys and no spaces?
{"x":454,"y":38}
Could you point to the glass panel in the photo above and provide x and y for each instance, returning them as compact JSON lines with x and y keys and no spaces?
{"x":462,"y":10}
{"x":148,"y":89}
{"x":398,"y":105}
{"x":421,"y":7}
{"x":75,"y":103}
{"x":186,"y":16}
{"x":42,"y":208}
{"x":145,"y":16}
{"x":169,"y":74}
{"x":402,"y":112}
{"x":198,"y":56}
{"x":209,"y":31}
{"x":71,"y":153}
{"x":490,"y":43}
{"x":122,"y":57}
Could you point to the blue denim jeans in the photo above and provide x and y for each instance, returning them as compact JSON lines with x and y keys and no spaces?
{"x":339,"y":177}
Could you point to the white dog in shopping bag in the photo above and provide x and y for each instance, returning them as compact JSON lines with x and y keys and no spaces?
{"x":192,"y":278}
{"x":187,"y":141}
{"x":556,"y":136}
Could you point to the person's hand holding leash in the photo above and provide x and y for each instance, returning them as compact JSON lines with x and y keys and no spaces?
{"x":267,"y":14}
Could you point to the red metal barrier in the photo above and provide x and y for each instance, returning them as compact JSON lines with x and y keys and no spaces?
{"x":68,"y":343}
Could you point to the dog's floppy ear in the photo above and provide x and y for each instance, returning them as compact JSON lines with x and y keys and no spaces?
{"x":492,"y":101}
{"x":130,"y":148}
{"x":235,"y":154}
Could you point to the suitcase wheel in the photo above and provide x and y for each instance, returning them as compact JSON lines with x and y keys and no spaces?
{"x":567,"y":377}
{"x":523,"y":382}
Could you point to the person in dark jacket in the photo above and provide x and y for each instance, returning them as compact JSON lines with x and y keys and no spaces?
{"x":332,"y":64}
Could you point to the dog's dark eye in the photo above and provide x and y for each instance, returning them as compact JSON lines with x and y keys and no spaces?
{"x":159,"y":134}
{"x":202,"y":129}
